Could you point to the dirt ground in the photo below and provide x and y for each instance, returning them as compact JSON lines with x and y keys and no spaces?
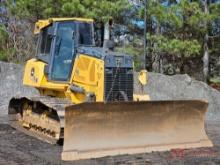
{"x":17,"y":148}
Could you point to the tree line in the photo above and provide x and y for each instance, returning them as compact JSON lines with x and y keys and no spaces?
{"x":182,"y":36}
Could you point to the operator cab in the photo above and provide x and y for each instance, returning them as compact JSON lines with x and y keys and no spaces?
{"x":57,"y":43}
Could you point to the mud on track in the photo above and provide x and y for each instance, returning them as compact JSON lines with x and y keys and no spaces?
{"x":18,"y":148}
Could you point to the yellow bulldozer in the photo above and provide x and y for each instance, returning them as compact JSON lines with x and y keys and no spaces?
{"x":87,"y":98}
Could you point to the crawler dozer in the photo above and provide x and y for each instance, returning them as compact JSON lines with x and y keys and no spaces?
{"x":87,"y":99}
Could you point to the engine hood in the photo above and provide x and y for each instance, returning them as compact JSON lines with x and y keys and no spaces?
{"x":111,"y":58}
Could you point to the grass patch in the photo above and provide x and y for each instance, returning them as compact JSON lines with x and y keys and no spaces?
{"x":215,"y":80}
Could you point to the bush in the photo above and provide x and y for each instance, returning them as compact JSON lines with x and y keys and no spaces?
{"x":3,"y":56}
{"x":3,"y":43}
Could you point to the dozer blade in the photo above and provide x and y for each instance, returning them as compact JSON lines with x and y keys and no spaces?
{"x":95,"y":130}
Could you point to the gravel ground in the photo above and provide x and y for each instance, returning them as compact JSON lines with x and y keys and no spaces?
{"x":18,"y":148}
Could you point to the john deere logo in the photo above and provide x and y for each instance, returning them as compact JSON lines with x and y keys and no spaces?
{"x":32,"y":76}
{"x":32,"y":72}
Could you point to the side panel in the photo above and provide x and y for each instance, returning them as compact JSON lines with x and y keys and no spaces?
{"x":88,"y":73}
{"x":34,"y":76}
{"x":34,"y":73}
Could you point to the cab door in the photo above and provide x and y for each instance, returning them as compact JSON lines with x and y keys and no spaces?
{"x":63,"y":52}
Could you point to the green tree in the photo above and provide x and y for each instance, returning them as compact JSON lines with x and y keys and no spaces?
{"x":3,"y":43}
{"x":101,"y":10}
{"x":26,"y":12}
{"x":177,"y":30}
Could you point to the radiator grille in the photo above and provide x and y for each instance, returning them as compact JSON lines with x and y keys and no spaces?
{"x":117,"y":82}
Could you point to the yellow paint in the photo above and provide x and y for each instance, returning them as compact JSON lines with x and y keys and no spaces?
{"x":26,"y":125}
{"x":34,"y":76}
{"x":140,"y":97}
{"x":40,"y":24}
{"x":71,"y":19}
{"x":88,"y":73}
{"x":143,"y":77}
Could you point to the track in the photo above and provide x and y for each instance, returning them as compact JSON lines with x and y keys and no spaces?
{"x":41,"y":117}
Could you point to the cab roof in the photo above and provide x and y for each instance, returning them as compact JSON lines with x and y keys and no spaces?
{"x":40,"y":24}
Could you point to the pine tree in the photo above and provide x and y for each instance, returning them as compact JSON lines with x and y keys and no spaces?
{"x":176,"y":30}
{"x":101,"y":10}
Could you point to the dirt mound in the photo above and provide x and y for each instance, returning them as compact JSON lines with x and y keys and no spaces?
{"x":216,"y":86}
{"x":11,"y":85}
{"x":162,"y":87}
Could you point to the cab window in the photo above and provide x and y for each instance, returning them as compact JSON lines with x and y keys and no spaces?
{"x":45,"y":44}
{"x":85,"y":34}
